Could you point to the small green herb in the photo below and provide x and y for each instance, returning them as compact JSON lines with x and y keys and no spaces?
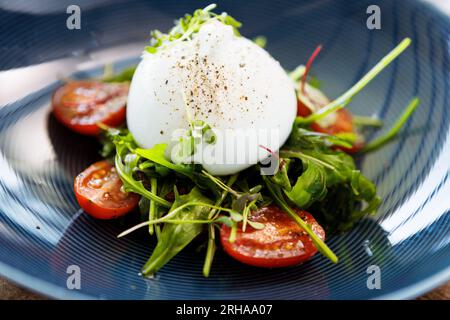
{"x":382,"y":140}
{"x":152,"y":211}
{"x":174,"y":237}
{"x":126,"y":162}
{"x":366,"y":121}
{"x":124,"y":76}
{"x":210,"y":250}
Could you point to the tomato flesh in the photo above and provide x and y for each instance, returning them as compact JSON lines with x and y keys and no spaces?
{"x":342,"y":124}
{"x":98,"y":190}
{"x":280,"y":243}
{"x":81,"y":105}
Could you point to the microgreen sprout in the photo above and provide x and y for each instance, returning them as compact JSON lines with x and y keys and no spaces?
{"x":346,"y":97}
{"x":171,"y":214}
{"x":381,"y":140}
{"x":363,"y":121}
{"x":260,"y":41}
{"x":189,"y":25}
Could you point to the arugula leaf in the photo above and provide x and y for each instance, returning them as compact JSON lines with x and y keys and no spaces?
{"x":260,"y":41}
{"x":124,"y":76}
{"x":174,"y":237}
{"x":347,"y":96}
{"x":381,"y":140}
{"x":341,"y":209}
{"x":361,"y":121}
{"x":276,"y":193}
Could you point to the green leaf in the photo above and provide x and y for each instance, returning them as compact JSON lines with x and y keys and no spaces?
{"x":124,"y":76}
{"x":347,"y":96}
{"x":349,"y":195}
{"x":132,"y":185}
{"x":256,"y":225}
{"x":362,"y":121}
{"x":210,"y":250}
{"x":315,"y":83}
{"x":362,"y":187}
{"x":281,"y":177}
{"x":275,"y":191}
{"x":224,"y":220}
{"x":189,"y":25}
{"x":175,"y":237}
{"x":310,"y":186}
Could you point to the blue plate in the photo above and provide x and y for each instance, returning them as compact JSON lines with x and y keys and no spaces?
{"x":43,"y":231}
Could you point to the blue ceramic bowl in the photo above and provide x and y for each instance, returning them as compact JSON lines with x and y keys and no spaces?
{"x":43,"y":231}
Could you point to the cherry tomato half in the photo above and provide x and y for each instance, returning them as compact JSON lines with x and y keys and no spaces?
{"x":280,"y":243}
{"x":342,"y":124}
{"x":81,"y":105}
{"x":98,"y":190}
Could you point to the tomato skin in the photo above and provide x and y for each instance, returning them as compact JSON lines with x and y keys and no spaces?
{"x":98,"y":192}
{"x":281,"y":243}
{"x":81,"y":105}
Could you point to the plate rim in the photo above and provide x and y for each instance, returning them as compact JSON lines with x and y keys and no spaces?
{"x":50,"y":290}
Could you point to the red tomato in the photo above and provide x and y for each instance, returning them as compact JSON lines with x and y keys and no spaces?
{"x":98,"y":190}
{"x":342,"y":124}
{"x":81,"y":105}
{"x":281,"y":243}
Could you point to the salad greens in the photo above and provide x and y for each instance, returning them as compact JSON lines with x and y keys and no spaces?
{"x":381,"y":140}
{"x":345,"y":98}
{"x":180,"y":200}
{"x":124,"y":76}
{"x":188,"y":25}
{"x":175,"y":236}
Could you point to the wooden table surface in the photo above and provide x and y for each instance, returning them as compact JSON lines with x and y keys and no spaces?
{"x":9,"y":291}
